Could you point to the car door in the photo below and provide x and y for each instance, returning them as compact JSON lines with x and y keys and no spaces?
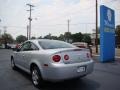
{"x":21,"y":55}
{"x":29,"y":54}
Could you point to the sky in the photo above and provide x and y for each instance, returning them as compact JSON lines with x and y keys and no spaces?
{"x":51,"y":16}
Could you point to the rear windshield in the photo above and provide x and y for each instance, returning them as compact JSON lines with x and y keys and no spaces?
{"x":54,"y":44}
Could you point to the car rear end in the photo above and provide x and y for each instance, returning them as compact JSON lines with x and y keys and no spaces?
{"x":67,"y":64}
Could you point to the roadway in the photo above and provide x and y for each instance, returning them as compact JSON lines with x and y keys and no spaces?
{"x":106,"y":76}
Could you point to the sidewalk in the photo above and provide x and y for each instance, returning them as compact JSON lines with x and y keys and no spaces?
{"x":117,"y":52}
{"x":96,"y":57}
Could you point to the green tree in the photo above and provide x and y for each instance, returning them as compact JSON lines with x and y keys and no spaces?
{"x":33,"y":37}
{"x":67,"y":36}
{"x":6,"y":38}
{"x":47,"y":36}
{"x":61,"y":37}
{"x":86,"y":38}
{"x":77,"y":37}
{"x":21,"y":38}
{"x":54,"y":37}
{"x":40,"y":37}
{"x":117,"y":32}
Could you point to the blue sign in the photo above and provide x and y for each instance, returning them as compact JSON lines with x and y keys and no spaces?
{"x":107,"y":34}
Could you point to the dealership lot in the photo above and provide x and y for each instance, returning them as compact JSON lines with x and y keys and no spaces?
{"x":106,"y":76}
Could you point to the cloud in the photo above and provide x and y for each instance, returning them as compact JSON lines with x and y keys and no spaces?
{"x":35,"y":1}
{"x":50,"y":16}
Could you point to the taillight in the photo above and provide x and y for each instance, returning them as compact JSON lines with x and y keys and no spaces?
{"x":56,"y":58}
{"x":66,"y":57}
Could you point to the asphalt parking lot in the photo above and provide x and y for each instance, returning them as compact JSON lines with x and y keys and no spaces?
{"x":106,"y":76}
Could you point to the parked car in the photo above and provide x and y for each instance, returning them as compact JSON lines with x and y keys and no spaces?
{"x":12,"y":46}
{"x":83,"y":45}
{"x":8,"y":46}
{"x":17,"y":45}
{"x":52,"y":60}
{"x":80,"y":44}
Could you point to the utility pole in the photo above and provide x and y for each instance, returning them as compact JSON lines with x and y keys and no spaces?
{"x":5,"y":29}
{"x":86,"y":28}
{"x":96,"y":40}
{"x":68,"y":25}
{"x":0,"y":30}
{"x":5,"y":41}
{"x":0,"y":33}
{"x":30,"y":19}
{"x":27,"y":32}
{"x":68,"y":30}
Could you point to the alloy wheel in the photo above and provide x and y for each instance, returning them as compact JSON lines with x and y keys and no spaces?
{"x":35,"y":77}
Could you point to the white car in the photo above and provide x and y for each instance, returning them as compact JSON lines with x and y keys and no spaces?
{"x":52,"y":60}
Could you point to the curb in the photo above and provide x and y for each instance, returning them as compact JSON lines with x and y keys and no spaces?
{"x":99,"y":55}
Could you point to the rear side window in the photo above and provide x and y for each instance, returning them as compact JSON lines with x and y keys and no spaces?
{"x":28,"y":46}
{"x":34,"y":47}
{"x":25,"y":46}
{"x":54,"y":44}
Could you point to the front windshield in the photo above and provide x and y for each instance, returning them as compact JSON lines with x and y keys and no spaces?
{"x":54,"y":44}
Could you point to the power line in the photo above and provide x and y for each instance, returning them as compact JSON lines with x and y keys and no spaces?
{"x":110,"y":1}
{"x":59,"y":24}
{"x":72,"y":13}
{"x":64,"y":10}
{"x":14,"y":26}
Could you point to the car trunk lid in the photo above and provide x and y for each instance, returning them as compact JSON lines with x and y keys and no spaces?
{"x":74,"y":55}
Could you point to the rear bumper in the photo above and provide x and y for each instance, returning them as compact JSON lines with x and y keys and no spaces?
{"x":59,"y":72}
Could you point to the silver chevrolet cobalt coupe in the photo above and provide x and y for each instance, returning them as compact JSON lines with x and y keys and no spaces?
{"x":52,"y":60}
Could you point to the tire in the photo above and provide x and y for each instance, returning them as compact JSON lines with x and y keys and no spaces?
{"x":13,"y":64}
{"x":36,"y":77}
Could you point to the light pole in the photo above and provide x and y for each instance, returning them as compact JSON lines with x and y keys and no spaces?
{"x":96,"y":40}
{"x":27,"y":32}
{"x":30,"y":19}
{"x":68,"y":33}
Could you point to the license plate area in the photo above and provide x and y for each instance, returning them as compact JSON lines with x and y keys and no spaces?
{"x":81,"y":69}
